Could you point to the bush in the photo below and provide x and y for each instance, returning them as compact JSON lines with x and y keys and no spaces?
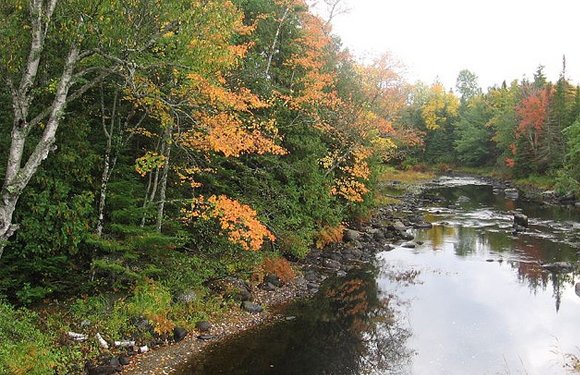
{"x":152,"y":301}
{"x":24,"y":349}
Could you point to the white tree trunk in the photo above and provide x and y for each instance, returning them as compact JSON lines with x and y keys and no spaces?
{"x":163,"y":188}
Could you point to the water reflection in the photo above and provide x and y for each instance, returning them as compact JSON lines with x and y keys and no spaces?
{"x":348,"y":328}
{"x":484,"y":305}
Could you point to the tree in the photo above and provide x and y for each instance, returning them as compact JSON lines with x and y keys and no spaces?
{"x":467,"y":86}
{"x":101,"y":39}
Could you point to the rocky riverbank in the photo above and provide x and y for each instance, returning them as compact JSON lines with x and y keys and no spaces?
{"x":263,"y":301}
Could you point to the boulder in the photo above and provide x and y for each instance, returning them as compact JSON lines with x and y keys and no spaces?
{"x":234,"y":288}
{"x":511,"y":193}
{"x":124,"y":361}
{"x":273,"y":279}
{"x":409,"y":245}
{"x":351,"y":235}
{"x":203,"y":326}
{"x":577,"y":289}
{"x":179,"y":334}
{"x":251,"y":307}
{"x":520,"y":219}
{"x":331,"y":263}
{"x":268,"y":287}
{"x":187,"y":296}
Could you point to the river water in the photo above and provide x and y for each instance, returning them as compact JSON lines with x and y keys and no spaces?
{"x":470,"y":298}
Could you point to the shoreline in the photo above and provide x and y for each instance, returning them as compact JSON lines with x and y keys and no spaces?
{"x":359,"y":246}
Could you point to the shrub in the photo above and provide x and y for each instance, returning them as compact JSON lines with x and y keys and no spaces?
{"x":329,"y":235}
{"x":24,"y":349}
{"x":152,"y":301}
{"x":279,"y":267}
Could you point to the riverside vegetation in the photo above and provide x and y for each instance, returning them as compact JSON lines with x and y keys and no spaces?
{"x":150,"y":149}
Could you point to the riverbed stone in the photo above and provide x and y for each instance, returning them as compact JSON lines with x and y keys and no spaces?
{"x":409,"y":245}
{"x":520,"y":219}
{"x":179,"y":334}
{"x":124,"y":361}
{"x":203,"y":326}
{"x":331,"y":263}
{"x":577,"y":289}
{"x":351,"y":235}
{"x":252,"y":307}
{"x":273,"y":279}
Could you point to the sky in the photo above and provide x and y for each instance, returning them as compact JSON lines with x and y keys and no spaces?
{"x":496,"y":39}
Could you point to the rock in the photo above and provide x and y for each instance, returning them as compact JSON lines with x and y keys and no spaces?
{"x":251,"y":307}
{"x":409,"y":245}
{"x":206,"y":337}
{"x":273,"y":279}
{"x":520,"y":219}
{"x":314,"y":286}
{"x":398,"y":225}
{"x":186,"y":297}
{"x":563,"y":267}
{"x":577,"y":289}
{"x":511,"y":193}
{"x":234,"y":288}
{"x":331,"y":263}
{"x":143,"y":349}
{"x":422,"y":225}
{"x":144,"y":325}
{"x":114,"y":361}
{"x":311,"y":276}
{"x":389,"y":247}
{"x":463,"y":199}
{"x":179,"y":334}
{"x":577,"y":204}
{"x":351,"y":235}
{"x":340,"y":273}
{"x":407,"y":236}
{"x":101,"y":370}
{"x":203,"y":326}
{"x":268,"y":287}
{"x":567,"y":198}
{"x":124,"y":361}
{"x":419,"y":243}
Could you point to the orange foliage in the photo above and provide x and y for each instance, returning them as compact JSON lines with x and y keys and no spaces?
{"x":329,"y":235}
{"x":533,"y":114}
{"x":238,"y":221}
{"x":280,"y":267}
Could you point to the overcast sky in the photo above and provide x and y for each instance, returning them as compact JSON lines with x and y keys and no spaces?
{"x":496,"y":39}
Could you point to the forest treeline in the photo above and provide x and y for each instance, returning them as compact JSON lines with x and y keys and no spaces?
{"x":522,"y":129}
{"x":149,"y":146}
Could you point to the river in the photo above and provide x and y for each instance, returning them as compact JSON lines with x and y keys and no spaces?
{"x":471,"y":298}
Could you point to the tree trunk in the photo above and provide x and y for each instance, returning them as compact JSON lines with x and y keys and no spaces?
{"x":18,"y":176}
{"x":107,"y":169}
{"x":163,"y":189}
{"x":275,"y":41}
